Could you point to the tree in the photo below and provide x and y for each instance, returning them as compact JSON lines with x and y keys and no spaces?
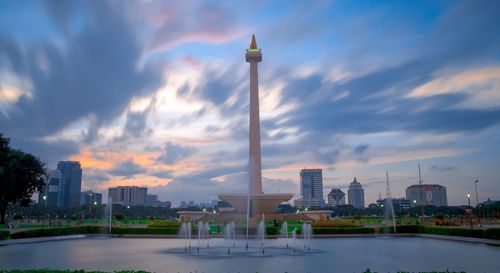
{"x":21,"y":174}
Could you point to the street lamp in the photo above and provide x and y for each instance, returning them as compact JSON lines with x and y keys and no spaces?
{"x":470,"y":214}
{"x":477,"y":203}
{"x":91,"y":194}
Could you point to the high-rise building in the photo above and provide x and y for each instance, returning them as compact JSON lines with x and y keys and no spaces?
{"x":427,"y":194}
{"x":336,"y":197}
{"x":128,"y":195}
{"x":90,"y":197}
{"x":71,"y":183}
{"x":311,"y":189}
{"x":356,"y":194}
{"x":49,"y":196}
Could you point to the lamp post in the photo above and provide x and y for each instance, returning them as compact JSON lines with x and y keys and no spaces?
{"x":470,"y":214}
{"x":90,"y":202}
{"x":477,"y":204}
{"x":45,"y":214}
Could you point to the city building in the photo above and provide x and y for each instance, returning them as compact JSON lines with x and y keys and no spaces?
{"x":311,"y":189}
{"x":90,"y":197}
{"x":71,"y":183}
{"x":49,"y":196}
{"x":397,"y":203}
{"x":356,"y":194}
{"x":128,"y":195}
{"x":152,"y":201}
{"x":336,"y":197}
{"x":427,"y":194}
{"x":255,"y":201}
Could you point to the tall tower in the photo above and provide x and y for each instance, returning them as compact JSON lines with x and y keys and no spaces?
{"x":255,"y":202}
{"x":254,"y":56}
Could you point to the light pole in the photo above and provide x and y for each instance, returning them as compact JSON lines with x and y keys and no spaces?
{"x":477,"y":203}
{"x":90,"y":202}
{"x":470,"y":214}
{"x":45,"y":214}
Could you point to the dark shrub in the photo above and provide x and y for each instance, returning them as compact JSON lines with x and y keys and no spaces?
{"x":477,"y":233}
{"x":330,"y":230}
{"x":165,"y":230}
{"x":45,"y":232}
{"x":165,"y":224}
{"x":271,"y":230}
{"x":400,"y":229}
{"x":4,"y":234}
{"x":492,"y":233}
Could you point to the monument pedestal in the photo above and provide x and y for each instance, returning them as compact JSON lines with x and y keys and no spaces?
{"x":259,"y":203}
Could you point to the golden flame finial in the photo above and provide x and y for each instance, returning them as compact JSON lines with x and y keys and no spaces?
{"x":253,"y":44}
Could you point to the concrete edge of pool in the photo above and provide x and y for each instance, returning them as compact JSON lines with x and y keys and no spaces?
{"x":325,"y":236}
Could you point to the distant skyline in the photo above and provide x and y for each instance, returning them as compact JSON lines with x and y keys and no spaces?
{"x":156,"y":93}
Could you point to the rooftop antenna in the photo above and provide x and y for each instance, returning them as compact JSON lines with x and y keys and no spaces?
{"x":419,"y":175}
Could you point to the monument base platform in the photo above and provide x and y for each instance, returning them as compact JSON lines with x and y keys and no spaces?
{"x":259,"y":203}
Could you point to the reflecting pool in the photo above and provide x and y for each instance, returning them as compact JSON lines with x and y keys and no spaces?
{"x":325,"y":255}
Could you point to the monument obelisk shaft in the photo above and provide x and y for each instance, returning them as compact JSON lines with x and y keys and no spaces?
{"x":254,"y":56}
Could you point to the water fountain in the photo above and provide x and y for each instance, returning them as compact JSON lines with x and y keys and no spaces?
{"x":284,"y":232}
{"x":229,"y":233}
{"x":207,"y":233}
{"x":306,"y":235}
{"x":261,"y":233}
{"x":389,"y":207}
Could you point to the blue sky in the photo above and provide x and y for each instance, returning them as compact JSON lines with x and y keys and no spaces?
{"x":156,"y":93}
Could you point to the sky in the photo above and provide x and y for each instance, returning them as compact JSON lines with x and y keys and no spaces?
{"x":156,"y":93}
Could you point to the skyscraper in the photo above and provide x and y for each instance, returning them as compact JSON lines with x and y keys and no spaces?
{"x":311,"y":188}
{"x":336,"y":197}
{"x":90,"y":197}
{"x":128,"y":195}
{"x":428,"y":194}
{"x":49,"y":196}
{"x":356,"y":194}
{"x":71,"y":183}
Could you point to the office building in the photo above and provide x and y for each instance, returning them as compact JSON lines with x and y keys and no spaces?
{"x":311,"y":189}
{"x":71,"y":183}
{"x":90,"y":197}
{"x":128,"y":195}
{"x":336,"y":197}
{"x":49,"y":196}
{"x":356,"y":194}
{"x":427,"y":194}
{"x":152,"y":201}
{"x":397,"y":203}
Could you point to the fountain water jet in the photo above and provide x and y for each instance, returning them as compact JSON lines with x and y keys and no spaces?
{"x":284,"y":231}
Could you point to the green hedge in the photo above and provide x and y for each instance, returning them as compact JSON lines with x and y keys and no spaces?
{"x":253,"y":231}
{"x":477,"y":233}
{"x":165,"y":224}
{"x":492,"y":233}
{"x":164,"y":230}
{"x":400,"y":229}
{"x":45,"y":232}
{"x":4,"y":234}
{"x":332,"y":230}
